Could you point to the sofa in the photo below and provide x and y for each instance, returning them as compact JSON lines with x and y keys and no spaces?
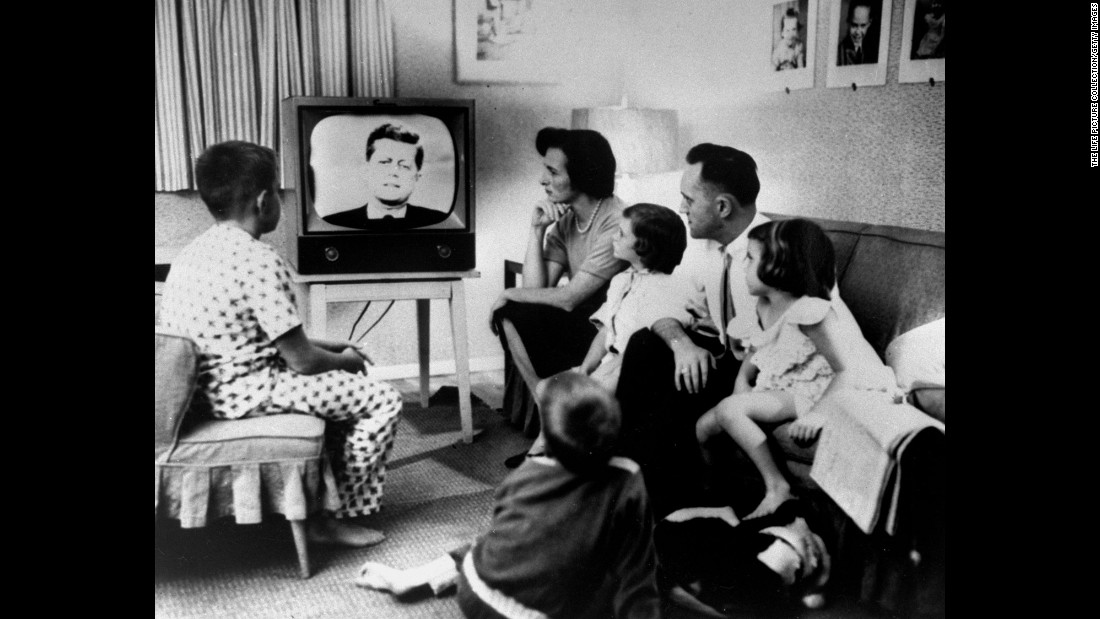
{"x":893,"y":280}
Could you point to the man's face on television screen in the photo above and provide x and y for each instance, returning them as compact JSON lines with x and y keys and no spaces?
{"x":391,"y":171}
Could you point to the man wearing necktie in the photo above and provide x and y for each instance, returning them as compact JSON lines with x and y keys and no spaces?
{"x":859,"y":46}
{"x":671,"y":376}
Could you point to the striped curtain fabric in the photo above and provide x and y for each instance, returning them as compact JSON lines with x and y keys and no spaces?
{"x":223,"y":66}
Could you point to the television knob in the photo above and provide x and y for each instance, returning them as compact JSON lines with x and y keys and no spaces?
{"x":444,"y":251}
{"x":332,"y":254}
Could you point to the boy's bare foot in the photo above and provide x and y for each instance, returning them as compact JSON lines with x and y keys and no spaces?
{"x":440,"y":574}
{"x":773,"y":498}
{"x":328,"y":530}
{"x":384,"y":578}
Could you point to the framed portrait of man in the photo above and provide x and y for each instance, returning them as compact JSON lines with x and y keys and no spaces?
{"x":923,"y":41}
{"x":859,"y":39}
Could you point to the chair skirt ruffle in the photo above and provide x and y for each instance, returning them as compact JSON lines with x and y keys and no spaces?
{"x":196,"y":494}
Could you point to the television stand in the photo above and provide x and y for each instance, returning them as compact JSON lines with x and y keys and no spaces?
{"x":317,"y":291}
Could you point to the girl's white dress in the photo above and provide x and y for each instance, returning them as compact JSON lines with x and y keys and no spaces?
{"x":789,"y":361}
{"x":787,"y":358}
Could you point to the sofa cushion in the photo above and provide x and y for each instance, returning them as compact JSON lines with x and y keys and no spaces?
{"x":919,"y":359}
{"x":257,"y":439}
{"x":895,"y":281}
{"x":919,"y":356}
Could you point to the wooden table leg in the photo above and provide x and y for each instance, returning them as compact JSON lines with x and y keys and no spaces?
{"x":423,"y":320}
{"x":462,"y":357}
{"x":318,"y":311}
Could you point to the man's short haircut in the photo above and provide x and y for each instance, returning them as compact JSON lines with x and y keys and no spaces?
{"x":852,"y":9}
{"x":589,"y":161}
{"x":728,"y":170}
{"x":796,"y":257}
{"x":660,"y":233}
{"x":581,"y":421}
{"x":232,"y":173}
{"x":397,"y":133}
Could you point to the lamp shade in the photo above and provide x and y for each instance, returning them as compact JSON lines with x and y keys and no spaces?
{"x":644,"y":141}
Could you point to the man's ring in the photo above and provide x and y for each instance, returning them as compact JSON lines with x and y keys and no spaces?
{"x":683,"y":370}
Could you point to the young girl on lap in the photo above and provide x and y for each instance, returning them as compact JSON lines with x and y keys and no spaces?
{"x":806,"y":349}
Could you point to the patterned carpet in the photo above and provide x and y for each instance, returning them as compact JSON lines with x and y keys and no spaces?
{"x":438,"y":495}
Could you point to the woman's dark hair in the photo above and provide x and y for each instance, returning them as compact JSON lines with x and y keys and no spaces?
{"x":231,"y":173}
{"x":797,"y":257}
{"x":660,"y":233}
{"x":589,"y":161}
{"x":581,"y":421}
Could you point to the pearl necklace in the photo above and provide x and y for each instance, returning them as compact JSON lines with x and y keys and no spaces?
{"x":576,"y":220}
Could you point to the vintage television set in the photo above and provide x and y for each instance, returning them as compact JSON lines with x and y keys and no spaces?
{"x":424,"y":173}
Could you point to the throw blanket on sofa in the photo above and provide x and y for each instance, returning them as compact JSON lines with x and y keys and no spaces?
{"x":857,"y":457}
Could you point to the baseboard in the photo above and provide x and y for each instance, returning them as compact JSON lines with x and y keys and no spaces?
{"x":436,"y":368}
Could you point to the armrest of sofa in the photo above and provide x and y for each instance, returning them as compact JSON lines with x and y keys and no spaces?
{"x":859,"y":450}
{"x":932,"y":401}
{"x":176,"y":365}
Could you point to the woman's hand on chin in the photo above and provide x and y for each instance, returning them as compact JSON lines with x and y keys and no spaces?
{"x":547,"y":212}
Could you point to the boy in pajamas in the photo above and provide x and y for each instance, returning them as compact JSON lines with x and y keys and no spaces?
{"x":232,"y":294}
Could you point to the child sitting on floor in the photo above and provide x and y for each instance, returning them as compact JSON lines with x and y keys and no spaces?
{"x":806,"y":349}
{"x":571,"y":534}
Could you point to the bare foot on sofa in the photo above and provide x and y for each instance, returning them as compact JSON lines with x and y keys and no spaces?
{"x":773,"y":498}
{"x":326,"y":529}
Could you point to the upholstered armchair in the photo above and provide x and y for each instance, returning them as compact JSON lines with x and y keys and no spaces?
{"x":207,"y":469}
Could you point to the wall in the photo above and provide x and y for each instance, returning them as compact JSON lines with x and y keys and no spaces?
{"x":876,"y":154}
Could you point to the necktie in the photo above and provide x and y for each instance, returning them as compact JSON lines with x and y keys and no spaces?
{"x":728,"y":311}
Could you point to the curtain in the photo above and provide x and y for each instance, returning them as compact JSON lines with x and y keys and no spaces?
{"x":223,"y":66}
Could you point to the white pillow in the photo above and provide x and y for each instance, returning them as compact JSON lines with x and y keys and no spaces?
{"x":919,"y":357}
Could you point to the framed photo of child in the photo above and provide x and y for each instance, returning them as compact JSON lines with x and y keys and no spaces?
{"x":859,"y":40}
{"x":923,"y":42}
{"x":789,"y":46}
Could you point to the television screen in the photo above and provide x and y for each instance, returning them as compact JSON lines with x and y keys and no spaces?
{"x":410,"y":176}
{"x":378,"y":185}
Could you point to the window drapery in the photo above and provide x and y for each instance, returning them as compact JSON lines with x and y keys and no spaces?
{"x":223,"y":66}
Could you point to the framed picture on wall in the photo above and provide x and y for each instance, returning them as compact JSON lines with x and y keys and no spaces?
{"x":923,"y":44}
{"x":506,"y":41}
{"x":789,"y":50}
{"x":859,"y":39}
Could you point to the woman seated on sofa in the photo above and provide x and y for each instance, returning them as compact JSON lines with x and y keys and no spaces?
{"x":546,"y":327}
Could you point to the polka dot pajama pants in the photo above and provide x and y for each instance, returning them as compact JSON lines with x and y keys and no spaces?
{"x":361,"y":416}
